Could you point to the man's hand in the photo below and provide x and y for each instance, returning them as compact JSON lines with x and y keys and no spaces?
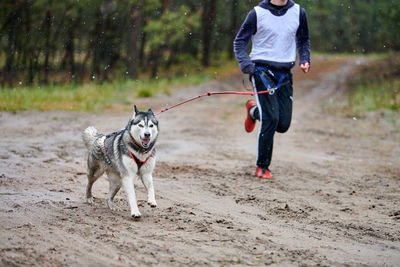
{"x":250,"y":69}
{"x":305,"y":67}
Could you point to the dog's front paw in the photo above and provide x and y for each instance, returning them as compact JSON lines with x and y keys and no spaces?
{"x":152,"y":203}
{"x":89,"y":200}
{"x":136,"y":215}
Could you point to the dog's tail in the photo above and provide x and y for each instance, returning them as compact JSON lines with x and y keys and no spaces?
{"x":89,"y":135}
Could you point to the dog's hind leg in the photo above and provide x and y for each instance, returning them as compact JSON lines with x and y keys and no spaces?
{"x":92,"y":176}
{"x":147,"y":180}
{"x":114,"y":186}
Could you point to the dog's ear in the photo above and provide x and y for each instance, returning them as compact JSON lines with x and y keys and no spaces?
{"x":135,"y":111}
{"x":150,"y":111}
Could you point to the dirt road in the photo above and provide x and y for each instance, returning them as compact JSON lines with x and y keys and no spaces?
{"x":335,"y":199}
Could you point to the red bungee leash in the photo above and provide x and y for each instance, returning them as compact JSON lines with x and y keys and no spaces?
{"x":270,"y":91}
{"x":259,"y":71}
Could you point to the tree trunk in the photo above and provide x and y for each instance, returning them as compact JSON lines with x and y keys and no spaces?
{"x":172,"y":59}
{"x":155,"y":62}
{"x":14,"y":21}
{"x":133,"y":53}
{"x":208,"y":21}
{"x":28,"y":48}
{"x":141,"y":49}
{"x":165,"y":5}
{"x":158,"y":51}
{"x":47,"y":33}
{"x":97,"y":45}
{"x":80,"y":67}
{"x":233,"y":28}
{"x":70,"y":48}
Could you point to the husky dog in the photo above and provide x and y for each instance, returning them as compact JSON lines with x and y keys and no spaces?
{"x":124,"y":156}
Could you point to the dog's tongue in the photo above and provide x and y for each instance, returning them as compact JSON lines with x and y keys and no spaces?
{"x":145,"y":141}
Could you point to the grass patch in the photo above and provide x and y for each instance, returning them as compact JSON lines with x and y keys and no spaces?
{"x":92,"y":97}
{"x":376,"y":87}
{"x":376,"y":96}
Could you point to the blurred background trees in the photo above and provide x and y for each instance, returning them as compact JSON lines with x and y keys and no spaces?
{"x":43,"y":41}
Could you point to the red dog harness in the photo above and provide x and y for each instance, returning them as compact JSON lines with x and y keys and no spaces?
{"x":138,"y":162}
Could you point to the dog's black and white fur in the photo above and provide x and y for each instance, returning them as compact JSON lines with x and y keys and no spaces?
{"x":125,"y":156}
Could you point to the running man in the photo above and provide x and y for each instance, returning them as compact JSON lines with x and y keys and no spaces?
{"x":276,"y":28}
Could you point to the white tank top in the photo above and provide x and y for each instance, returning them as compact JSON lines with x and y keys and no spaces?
{"x":275,"y":39}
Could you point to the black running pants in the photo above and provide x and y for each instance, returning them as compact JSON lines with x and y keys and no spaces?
{"x":274,"y":113}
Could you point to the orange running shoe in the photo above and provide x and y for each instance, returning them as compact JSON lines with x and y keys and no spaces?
{"x":249,"y":123}
{"x":263,"y":174}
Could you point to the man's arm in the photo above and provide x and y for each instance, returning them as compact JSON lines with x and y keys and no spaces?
{"x":247,"y":30}
{"x":303,"y":42}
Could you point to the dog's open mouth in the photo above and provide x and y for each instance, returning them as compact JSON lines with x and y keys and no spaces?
{"x":145,"y":142}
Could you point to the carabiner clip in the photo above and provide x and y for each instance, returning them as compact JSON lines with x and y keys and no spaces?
{"x":271,"y":91}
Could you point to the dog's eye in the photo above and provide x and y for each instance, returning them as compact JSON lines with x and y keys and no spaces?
{"x":151,"y":125}
{"x":141,"y":125}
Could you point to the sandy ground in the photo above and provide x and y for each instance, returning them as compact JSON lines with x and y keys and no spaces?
{"x":334,"y":199}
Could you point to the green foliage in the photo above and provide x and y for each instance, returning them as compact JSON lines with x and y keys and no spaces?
{"x":145,"y":92}
{"x":48,"y":41}
{"x":376,"y":96}
{"x":92,"y":97}
{"x":353,"y":26}
{"x":172,"y":28}
{"x":376,"y":87}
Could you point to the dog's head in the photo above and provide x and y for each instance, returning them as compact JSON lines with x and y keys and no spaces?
{"x":143,"y":127}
